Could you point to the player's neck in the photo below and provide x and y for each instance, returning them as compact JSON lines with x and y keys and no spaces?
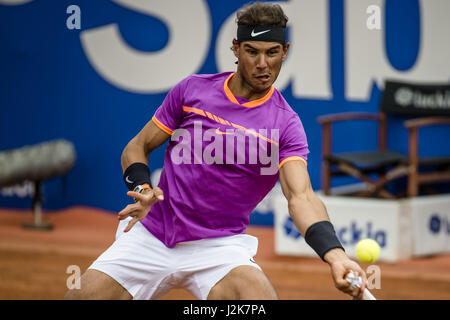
{"x":240,"y":88}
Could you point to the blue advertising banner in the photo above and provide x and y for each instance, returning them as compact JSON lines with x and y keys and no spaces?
{"x":94,"y":73}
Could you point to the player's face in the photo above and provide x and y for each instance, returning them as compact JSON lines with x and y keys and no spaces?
{"x":259,"y":62}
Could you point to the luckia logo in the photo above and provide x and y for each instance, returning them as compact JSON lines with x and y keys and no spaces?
{"x":403,"y":96}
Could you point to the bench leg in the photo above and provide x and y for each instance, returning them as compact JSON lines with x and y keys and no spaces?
{"x":38,"y":223}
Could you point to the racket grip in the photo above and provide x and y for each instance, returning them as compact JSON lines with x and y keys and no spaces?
{"x":367,"y":295}
{"x":356,"y":282}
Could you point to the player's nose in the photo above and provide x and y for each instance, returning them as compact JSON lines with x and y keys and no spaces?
{"x":261,"y":62}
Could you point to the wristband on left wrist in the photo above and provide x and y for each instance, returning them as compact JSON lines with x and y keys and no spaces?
{"x":137,"y":174}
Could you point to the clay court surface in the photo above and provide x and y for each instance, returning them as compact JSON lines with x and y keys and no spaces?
{"x":33,"y":264}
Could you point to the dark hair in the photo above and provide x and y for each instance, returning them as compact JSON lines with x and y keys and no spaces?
{"x":261,"y":14}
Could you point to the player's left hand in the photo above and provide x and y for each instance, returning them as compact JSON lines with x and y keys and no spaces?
{"x":340,"y":265}
{"x":141,"y":207}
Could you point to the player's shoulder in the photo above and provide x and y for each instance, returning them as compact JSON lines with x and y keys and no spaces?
{"x":195,"y":82}
{"x":282,"y":105}
{"x":209,"y":77}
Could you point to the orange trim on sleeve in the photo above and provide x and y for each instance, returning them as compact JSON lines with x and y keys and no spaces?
{"x":162,"y":126}
{"x":292,"y":158}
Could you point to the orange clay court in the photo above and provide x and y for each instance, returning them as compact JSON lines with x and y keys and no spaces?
{"x":33,"y":263}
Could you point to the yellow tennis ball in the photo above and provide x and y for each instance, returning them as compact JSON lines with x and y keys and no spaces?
{"x":367,"y":250}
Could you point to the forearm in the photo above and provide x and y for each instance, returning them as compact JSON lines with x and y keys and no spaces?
{"x":140,"y":147}
{"x":307,"y":209}
{"x":334,"y":255}
{"x":311,"y":218}
{"x":133,"y":152}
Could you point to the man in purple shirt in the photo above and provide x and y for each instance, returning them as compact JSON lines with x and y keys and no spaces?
{"x":232,"y":136}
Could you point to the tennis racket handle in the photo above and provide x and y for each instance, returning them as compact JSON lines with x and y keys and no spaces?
{"x":357,"y":282}
{"x":367,"y":295}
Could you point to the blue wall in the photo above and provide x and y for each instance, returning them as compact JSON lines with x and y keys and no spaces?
{"x":48,"y":90}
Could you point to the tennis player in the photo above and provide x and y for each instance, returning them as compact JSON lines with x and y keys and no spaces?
{"x":189,"y":231}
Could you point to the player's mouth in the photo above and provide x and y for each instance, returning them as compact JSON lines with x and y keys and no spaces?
{"x":263,"y":78}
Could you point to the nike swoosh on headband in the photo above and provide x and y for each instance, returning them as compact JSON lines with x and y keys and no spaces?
{"x":253,"y":34}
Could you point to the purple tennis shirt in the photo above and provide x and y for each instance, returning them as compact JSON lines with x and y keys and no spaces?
{"x":222,"y":159}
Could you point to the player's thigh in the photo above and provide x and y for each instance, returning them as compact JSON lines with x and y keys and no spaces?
{"x":95,"y":284}
{"x":243,"y":283}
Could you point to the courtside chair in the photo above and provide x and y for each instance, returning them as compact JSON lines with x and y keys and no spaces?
{"x":440,"y":166}
{"x":384,"y":164}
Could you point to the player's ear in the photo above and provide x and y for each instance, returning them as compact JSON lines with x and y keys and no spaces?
{"x":285,"y":50}
{"x":235,"y":48}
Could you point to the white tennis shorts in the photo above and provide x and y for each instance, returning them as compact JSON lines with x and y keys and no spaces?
{"x":147,"y":269}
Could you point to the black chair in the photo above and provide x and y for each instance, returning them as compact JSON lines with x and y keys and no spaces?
{"x":399,"y":100}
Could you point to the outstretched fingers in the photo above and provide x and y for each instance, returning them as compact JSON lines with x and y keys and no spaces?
{"x":129,"y":210}
{"x":140,"y":209}
{"x":131,"y":223}
{"x":158,"y":193}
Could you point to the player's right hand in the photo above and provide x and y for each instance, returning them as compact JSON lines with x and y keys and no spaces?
{"x":140,"y":209}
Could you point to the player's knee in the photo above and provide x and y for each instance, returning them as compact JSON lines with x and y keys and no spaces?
{"x":245,"y":283}
{"x":75,"y":294}
{"x":95,"y":285}
{"x":255,"y":285}
{"x":87,"y":291}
